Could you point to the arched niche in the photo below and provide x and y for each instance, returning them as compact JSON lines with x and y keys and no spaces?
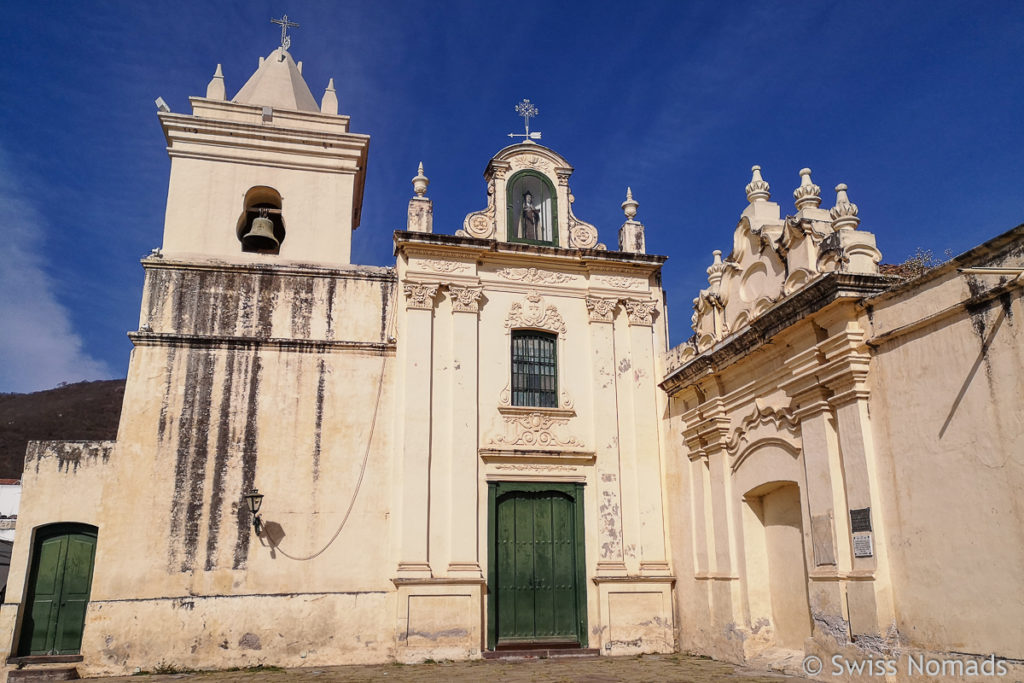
{"x":265,"y":201}
{"x":532,"y":209}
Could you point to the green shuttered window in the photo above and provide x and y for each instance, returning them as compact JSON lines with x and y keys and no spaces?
{"x":534,"y":369}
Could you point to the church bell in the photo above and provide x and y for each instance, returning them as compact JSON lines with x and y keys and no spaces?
{"x":261,"y":234}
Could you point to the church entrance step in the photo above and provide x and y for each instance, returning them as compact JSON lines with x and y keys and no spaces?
{"x":543,"y":653}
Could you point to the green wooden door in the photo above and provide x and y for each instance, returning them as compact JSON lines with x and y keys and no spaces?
{"x":59,"y":584}
{"x":536,"y":573}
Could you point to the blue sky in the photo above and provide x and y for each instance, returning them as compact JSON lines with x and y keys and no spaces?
{"x":915,"y":105}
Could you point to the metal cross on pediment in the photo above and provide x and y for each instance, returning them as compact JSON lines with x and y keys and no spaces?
{"x":286,"y":40}
{"x":526,"y":109}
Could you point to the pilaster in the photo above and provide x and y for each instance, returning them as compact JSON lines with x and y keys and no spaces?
{"x":823,"y":494}
{"x":653,"y":559}
{"x":417,"y":347}
{"x":611,"y":558}
{"x":465,"y":507}
{"x":868,"y":595}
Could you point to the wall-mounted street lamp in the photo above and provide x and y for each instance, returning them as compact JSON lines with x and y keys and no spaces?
{"x":253,"y":500}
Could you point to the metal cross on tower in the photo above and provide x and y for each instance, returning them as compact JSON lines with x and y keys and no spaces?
{"x":526,"y":109}
{"x":286,"y":40}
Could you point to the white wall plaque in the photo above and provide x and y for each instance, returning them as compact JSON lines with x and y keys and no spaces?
{"x":862,"y":545}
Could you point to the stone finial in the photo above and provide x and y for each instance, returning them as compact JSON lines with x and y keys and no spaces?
{"x":716,"y":271}
{"x":420,"y":182}
{"x":329,"y":103}
{"x":631,"y":234}
{"x":421,"y":209}
{"x":757,"y":188}
{"x":629,"y":206}
{"x":298,"y":65}
{"x":844,"y":213}
{"x":215,"y":89}
{"x":808,"y":195}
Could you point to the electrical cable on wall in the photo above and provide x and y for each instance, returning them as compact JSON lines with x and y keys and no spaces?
{"x":388,"y":335}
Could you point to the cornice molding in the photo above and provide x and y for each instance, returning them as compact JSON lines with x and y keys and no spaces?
{"x":786,"y":313}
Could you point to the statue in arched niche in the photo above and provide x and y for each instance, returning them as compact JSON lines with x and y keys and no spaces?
{"x":529,"y":219}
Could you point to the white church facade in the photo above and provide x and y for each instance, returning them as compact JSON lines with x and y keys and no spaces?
{"x":490,"y":447}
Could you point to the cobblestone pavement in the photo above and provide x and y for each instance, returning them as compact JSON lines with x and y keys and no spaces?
{"x":649,"y":668}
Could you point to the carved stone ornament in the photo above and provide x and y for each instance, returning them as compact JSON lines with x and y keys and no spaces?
{"x":534,"y":276}
{"x":640,"y":311}
{"x":601,"y":310}
{"x":757,"y":189}
{"x":764,"y":423}
{"x":844,"y":213}
{"x":565,"y":403}
{"x":620,"y":282}
{"x":420,"y":295}
{"x":533,"y":162}
{"x":540,"y":467}
{"x":533,"y":313}
{"x":465,"y":299}
{"x":480,"y":224}
{"x":441,"y":266}
{"x":807,"y":195}
{"x":535,"y":430}
{"x":581,"y":235}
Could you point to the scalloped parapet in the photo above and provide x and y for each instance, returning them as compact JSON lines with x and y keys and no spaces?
{"x":772,"y":258}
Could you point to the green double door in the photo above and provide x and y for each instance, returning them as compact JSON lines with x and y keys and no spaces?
{"x":59,"y":584}
{"x":536,"y":577}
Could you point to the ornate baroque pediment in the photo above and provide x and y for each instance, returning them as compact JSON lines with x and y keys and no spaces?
{"x":492,"y":221}
{"x":773,"y":257}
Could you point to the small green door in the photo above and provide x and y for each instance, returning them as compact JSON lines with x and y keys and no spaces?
{"x":59,"y":583}
{"x":536,"y":566}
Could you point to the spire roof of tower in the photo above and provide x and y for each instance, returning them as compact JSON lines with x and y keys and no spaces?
{"x":278,"y":83}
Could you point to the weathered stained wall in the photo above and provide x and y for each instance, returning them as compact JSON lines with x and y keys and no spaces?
{"x":243,"y":377}
{"x":948,"y":377}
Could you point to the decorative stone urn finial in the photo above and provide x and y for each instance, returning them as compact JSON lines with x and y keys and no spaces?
{"x":808,"y":195}
{"x":757,"y":189}
{"x":420,"y":182}
{"x":629,"y":206}
{"x":844,"y":213}
{"x":716,"y":271}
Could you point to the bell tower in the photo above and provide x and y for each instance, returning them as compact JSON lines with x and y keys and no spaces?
{"x":267,"y":176}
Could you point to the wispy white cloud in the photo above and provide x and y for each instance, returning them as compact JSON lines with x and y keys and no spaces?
{"x":38,"y":344}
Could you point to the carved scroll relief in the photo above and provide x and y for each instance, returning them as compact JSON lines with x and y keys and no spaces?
{"x":534,"y":276}
{"x":535,"y":430}
{"x":481,"y":224}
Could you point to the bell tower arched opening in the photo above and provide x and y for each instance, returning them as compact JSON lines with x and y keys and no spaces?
{"x":260,"y":228}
